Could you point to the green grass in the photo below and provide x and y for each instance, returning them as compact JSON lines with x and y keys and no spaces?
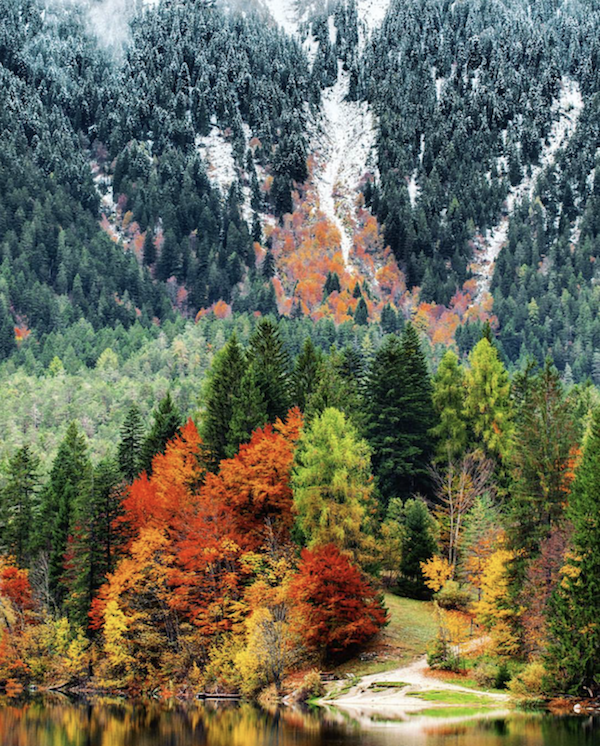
{"x":449,"y":697}
{"x":472,"y":684}
{"x":409,"y":632}
{"x":389,"y":685}
{"x":451,"y":712}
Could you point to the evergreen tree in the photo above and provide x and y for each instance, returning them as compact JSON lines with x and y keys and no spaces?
{"x":305,"y":374}
{"x":418,"y":546}
{"x":272,"y":365}
{"x":221,"y":390}
{"x":361,"y":315}
{"x":400,"y":415}
{"x":69,"y":486}
{"x":545,"y":440}
{"x":449,"y":394}
{"x":166,"y":423}
{"x":574,"y":650}
{"x":149,"y":251}
{"x":19,"y":503}
{"x":130,"y":446}
{"x":249,"y":412}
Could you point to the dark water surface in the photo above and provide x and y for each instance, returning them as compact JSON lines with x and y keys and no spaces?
{"x":110,"y":723}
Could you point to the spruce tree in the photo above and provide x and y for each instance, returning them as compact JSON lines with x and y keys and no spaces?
{"x":167,"y":421}
{"x":305,"y":374}
{"x":19,"y":503}
{"x":68,"y":487}
{"x":418,"y":546}
{"x":130,"y":445}
{"x":399,"y":416}
{"x":574,"y":650}
{"x":221,"y":390}
{"x":272,"y":364}
{"x":361,"y":315}
{"x":449,"y":394}
{"x":249,"y":412}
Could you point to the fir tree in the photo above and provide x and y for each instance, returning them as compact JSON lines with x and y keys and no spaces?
{"x":69,"y":485}
{"x":249,"y":412}
{"x":361,"y":315}
{"x":130,"y":446}
{"x":222,"y":389}
{"x":272,"y":365}
{"x":418,"y":545}
{"x":19,"y":503}
{"x":400,"y":415}
{"x":167,"y":421}
{"x":305,"y":374}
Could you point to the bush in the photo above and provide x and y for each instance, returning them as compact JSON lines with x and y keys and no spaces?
{"x":491,"y":674}
{"x":529,"y":683}
{"x":442,"y":657}
{"x":311,"y":687}
{"x":452,"y":596}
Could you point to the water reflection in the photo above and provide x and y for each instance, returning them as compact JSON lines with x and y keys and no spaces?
{"x":104,"y":722}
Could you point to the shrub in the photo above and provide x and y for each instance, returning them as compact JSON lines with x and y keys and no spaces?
{"x":529,"y":683}
{"x":452,"y":596}
{"x":311,"y":687}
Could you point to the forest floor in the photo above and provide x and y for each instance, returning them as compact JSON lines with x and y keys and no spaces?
{"x":392,"y":681}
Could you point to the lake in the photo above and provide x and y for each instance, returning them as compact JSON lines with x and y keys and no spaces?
{"x":59,"y":722}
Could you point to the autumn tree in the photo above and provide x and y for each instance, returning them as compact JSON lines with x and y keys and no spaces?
{"x":458,"y":486}
{"x":337,"y":611}
{"x":333,"y":487}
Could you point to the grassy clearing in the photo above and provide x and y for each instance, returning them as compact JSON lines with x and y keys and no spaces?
{"x":406,"y":637}
{"x":389,"y":685}
{"x":449,"y":697}
{"x":451,"y":712}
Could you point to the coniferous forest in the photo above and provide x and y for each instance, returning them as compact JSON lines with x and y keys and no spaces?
{"x":299,"y":321}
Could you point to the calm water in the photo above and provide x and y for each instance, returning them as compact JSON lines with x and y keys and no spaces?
{"x":106,"y":723}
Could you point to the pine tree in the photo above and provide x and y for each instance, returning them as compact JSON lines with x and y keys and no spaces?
{"x":149,"y":251}
{"x":130,"y":446}
{"x":272,"y":365}
{"x":19,"y":503}
{"x":449,"y":395}
{"x":222,"y":389}
{"x":167,"y":421}
{"x":574,"y":650}
{"x":399,"y":416}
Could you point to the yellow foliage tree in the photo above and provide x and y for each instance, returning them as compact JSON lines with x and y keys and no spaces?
{"x":436,"y":572}
{"x":496,"y":610}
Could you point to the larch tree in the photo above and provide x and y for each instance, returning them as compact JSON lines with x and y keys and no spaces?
{"x":449,"y":394}
{"x":333,"y":487}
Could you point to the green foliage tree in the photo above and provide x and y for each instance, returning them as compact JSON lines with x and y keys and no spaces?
{"x":221,"y":391}
{"x":249,"y":411}
{"x":130,"y":445}
{"x":449,"y":394}
{"x":487,"y":404}
{"x":333,"y":487}
{"x":19,"y":503}
{"x":272,"y":366}
{"x":574,"y":649}
{"x":166,"y":422}
{"x":400,"y":415}
{"x":418,"y":545}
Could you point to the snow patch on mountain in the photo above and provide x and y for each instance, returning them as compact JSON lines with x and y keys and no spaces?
{"x":217,"y":153}
{"x":284,"y":13}
{"x":372,"y":12}
{"x":343,"y":140}
{"x":567,"y":110}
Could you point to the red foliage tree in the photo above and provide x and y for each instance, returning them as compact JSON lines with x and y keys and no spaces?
{"x":337,"y":610}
